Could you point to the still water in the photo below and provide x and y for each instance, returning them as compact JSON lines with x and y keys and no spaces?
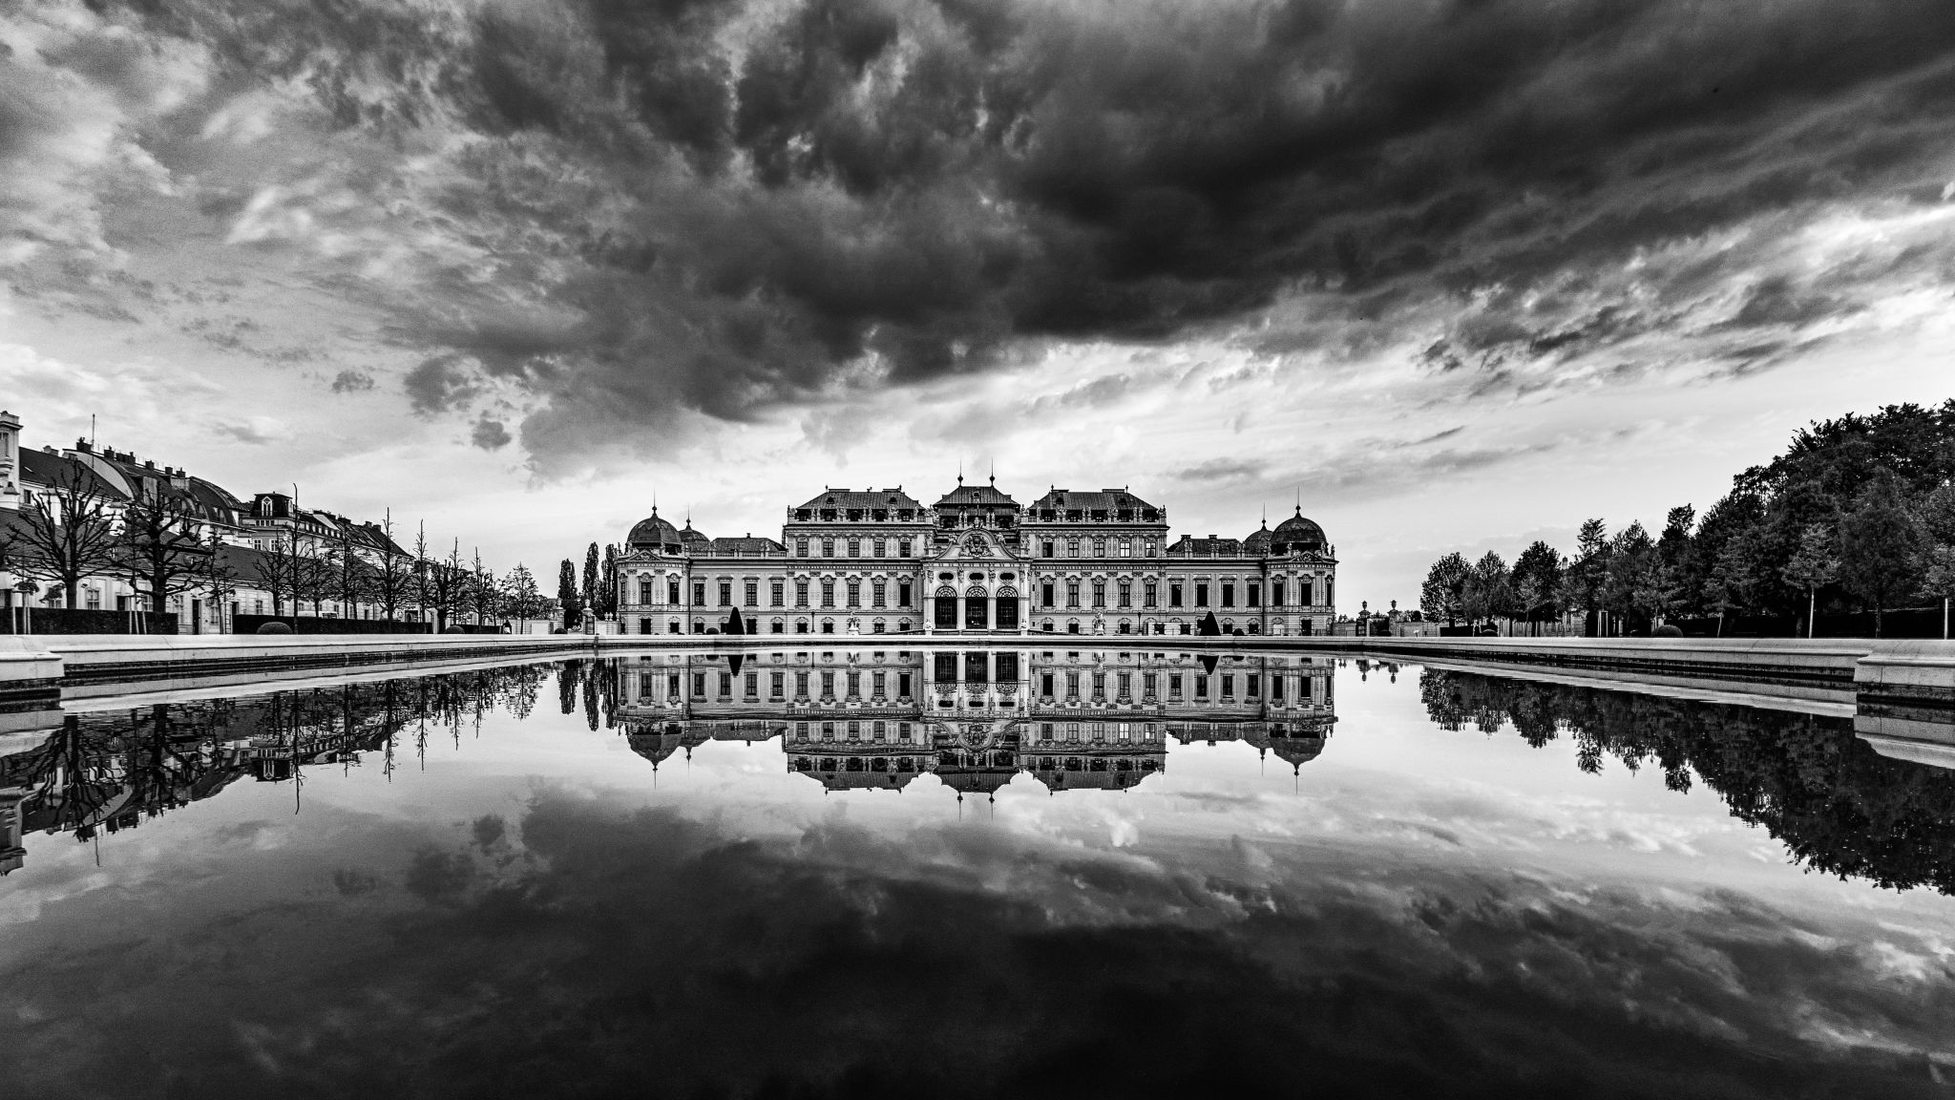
{"x":1008,"y":872}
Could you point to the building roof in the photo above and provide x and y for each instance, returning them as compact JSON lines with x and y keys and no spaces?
{"x":1257,"y":544}
{"x":1110,"y":502}
{"x":976,"y":496}
{"x":748,"y":544}
{"x":653,"y":533}
{"x":1298,"y":533}
{"x":1210,"y":547}
{"x":46,"y":468}
{"x":863,"y":498}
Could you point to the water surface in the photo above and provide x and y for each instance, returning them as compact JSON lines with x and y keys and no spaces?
{"x":1010,"y":873}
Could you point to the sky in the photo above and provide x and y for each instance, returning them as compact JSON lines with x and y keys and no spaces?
{"x":1447,"y":274}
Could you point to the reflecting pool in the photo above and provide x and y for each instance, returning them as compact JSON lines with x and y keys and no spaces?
{"x":1004,"y":871}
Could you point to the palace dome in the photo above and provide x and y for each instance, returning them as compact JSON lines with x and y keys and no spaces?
{"x":653,"y":533}
{"x":1298,"y":535}
{"x":1257,"y":544}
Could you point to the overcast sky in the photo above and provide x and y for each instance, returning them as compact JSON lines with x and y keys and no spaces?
{"x":1458,"y":272}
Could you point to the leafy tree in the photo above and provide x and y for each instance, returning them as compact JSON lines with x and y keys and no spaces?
{"x":519,"y":593}
{"x":591,"y":594}
{"x":1537,"y":581}
{"x":1879,"y":544}
{"x":1813,"y":566}
{"x":607,"y":582}
{"x":1488,"y":592}
{"x":66,"y":532}
{"x":1588,"y":573}
{"x":1441,"y":595}
{"x":1733,"y":580}
{"x":1633,"y":583}
{"x":568,"y":596}
{"x":1938,"y":547}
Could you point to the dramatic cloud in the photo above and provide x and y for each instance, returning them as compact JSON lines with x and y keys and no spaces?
{"x":490,"y":435}
{"x":624,"y":214}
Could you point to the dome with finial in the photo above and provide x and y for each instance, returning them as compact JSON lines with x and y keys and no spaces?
{"x":1298,"y":535}
{"x":655,"y":534}
{"x":1257,"y":544}
{"x":694,"y":540}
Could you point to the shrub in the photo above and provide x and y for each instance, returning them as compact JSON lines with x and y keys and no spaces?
{"x":274,"y":628}
{"x":1667,"y":630}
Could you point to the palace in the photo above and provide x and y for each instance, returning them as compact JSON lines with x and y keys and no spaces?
{"x":876,"y":561}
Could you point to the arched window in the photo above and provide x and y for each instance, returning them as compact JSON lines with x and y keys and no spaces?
{"x":777,"y":626}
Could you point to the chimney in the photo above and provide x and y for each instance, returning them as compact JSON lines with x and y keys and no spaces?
{"x":9,"y":461}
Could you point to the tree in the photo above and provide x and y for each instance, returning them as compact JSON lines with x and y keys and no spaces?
{"x":482,"y":592}
{"x":1812,"y":566}
{"x":1588,"y":573}
{"x":1440,"y":596}
{"x":1537,"y":581}
{"x":217,"y":575}
{"x":519,"y":593}
{"x":1938,"y":548}
{"x":1879,"y":545}
{"x":1488,"y":591}
{"x":275,"y":569}
{"x":420,"y":587}
{"x":158,"y":549}
{"x":393,"y":579}
{"x":568,"y":596}
{"x":607,"y":582}
{"x":351,"y":576}
{"x":1733,"y":580}
{"x":67,"y":532}
{"x":446,"y":581}
{"x":592,"y":593}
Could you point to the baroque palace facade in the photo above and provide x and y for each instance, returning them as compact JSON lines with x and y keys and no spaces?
{"x":863,"y":561}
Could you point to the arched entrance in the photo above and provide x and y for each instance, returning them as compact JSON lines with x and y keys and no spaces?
{"x":976,"y":609}
{"x":1007,"y":617}
{"x":946,"y":609}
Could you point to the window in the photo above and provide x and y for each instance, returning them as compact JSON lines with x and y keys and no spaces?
{"x":726,"y":685}
{"x":1228,"y":685}
{"x":1201,"y":594}
{"x":878,"y":731}
{"x":1304,"y":591}
{"x":1099,"y":593}
{"x":855,"y":685}
{"x":672,"y":590}
{"x":778,"y":626}
{"x":1255,"y":594}
{"x":903,"y":548}
{"x":1072,"y":548}
{"x":1045,"y":548}
{"x":1228,"y":594}
{"x":903,"y":732}
{"x":1147,"y":684}
{"x":698,"y":685}
{"x":726,"y":593}
{"x":881,"y":545}
{"x":1201,"y":686}
{"x":878,"y":593}
{"x":1045,"y":594}
{"x":827,"y":685}
{"x":800,"y":548}
{"x":698,"y":592}
{"x":753,"y":685}
{"x":644,"y":590}
{"x":1126,"y":593}
{"x":855,"y":593}
{"x":880,"y":683}
{"x":1174,"y":594}
{"x":827,"y":548}
{"x":1126,"y":548}
{"x":1174,"y":687}
{"x":1254,"y":687}
{"x":855,"y":548}
{"x":1099,"y":548}
{"x":902,"y":593}
{"x":753,"y":593}
{"x":801,"y":685}
{"x":1276,"y":592}
{"x":903,"y":684}
{"x":1147,"y":547}
{"x":827,"y":593}
{"x":1072,"y":685}
{"x":1045,"y":684}
{"x":1149,"y":594}
{"x":776,"y":592}
{"x":1072,"y":593}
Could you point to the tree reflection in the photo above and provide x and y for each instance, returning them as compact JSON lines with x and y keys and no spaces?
{"x":110,"y":770}
{"x":1836,"y":804}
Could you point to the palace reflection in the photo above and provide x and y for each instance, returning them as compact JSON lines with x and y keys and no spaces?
{"x":1837,"y":804}
{"x":106,"y":771}
{"x":975,"y":718}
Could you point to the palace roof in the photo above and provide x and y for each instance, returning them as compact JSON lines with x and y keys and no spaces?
{"x":863,"y":498}
{"x":967,"y":496}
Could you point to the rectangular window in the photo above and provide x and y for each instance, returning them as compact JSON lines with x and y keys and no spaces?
{"x":1228,"y":685}
{"x":827,"y":548}
{"x":1201,"y":594}
{"x":1276,"y":592}
{"x":855,"y":593}
{"x":753,"y":685}
{"x":903,"y":732}
{"x":1228,"y":594}
{"x":1045,"y":548}
{"x":1125,"y":680}
{"x":902,"y":593}
{"x":855,"y":548}
{"x":1126,"y":548}
{"x":672,"y":686}
{"x":878,"y":593}
{"x":1045,"y":594}
{"x":881,"y":682}
{"x":1099,"y":593}
{"x":903,"y":684}
{"x":1150,"y":595}
{"x":1099,"y":685}
{"x":1305,"y":594}
{"x":776,"y":593}
{"x":801,"y":686}
{"x":1255,"y":594}
{"x":1255,"y":684}
{"x":753,"y":593}
{"x":777,"y":686}
{"x":1072,"y":548}
{"x":827,"y":593}
{"x":645,"y":590}
{"x":1174,"y":594}
{"x":1072,"y":731}
{"x":672,"y":590}
{"x":800,"y":548}
{"x":1072,"y":593}
{"x":855,"y":685}
{"x":878,"y":731}
{"x":726,"y":593}
{"x":1276,"y":688}
{"x":699,"y":593}
{"x":801,"y":731}
{"x":726,"y":685}
{"x":880,"y":545}
{"x":1045,"y":684}
{"x":1201,"y":685}
{"x":1126,"y":593}
{"x":1072,"y":685}
{"x":1174,"y":687}
{"x":1147,"y":684}
{"x":828,"y":685}
{"x":699,"y":685}
{"x":903,"y":548}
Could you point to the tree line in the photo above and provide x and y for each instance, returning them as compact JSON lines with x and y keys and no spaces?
{"x":75,"y":530}
{"x":1858,"y":514}
{"x":598,"y":591}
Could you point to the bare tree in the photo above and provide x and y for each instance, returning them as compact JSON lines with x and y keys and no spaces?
{"x":422,"y":566}
{"x":352,"y":576}
{"x":275,"y":569}
{"x":67,"y":532}
{"x":447,"y":581}
{"x":217,"y":576}
{"x":160,"y":550}
{"x":393,"y":578}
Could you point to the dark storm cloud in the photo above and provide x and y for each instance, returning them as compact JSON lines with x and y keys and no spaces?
{"x":490,"y":435}
{"x":727,"y":208}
